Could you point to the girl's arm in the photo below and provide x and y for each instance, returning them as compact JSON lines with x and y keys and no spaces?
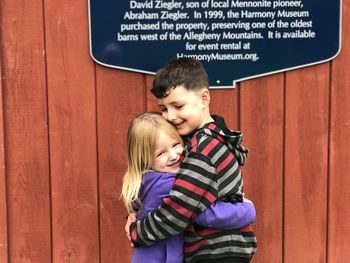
{"x":227,"y":216}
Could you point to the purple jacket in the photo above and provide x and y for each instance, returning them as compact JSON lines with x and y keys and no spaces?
{"x":156,"y":186}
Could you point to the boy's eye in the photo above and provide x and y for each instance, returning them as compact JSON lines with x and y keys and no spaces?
{"x":162,"y":109}
{"x":178,"y":107}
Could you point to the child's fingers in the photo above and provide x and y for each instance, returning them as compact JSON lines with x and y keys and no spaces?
{"x":127,"y":231}
{"x":247,"y":200}
{"x":131,"y":218}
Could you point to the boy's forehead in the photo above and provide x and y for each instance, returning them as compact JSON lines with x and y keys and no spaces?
{"x":171,"y":100}
{"x":177,"y":94}
{"x":165,"y":101}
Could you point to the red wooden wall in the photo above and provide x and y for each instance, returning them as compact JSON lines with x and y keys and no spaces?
{"x":63,"y":122}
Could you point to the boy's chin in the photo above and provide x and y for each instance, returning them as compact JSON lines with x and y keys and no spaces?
{"x":183,"y":131}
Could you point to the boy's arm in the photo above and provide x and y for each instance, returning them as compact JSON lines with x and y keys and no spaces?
{"x":227,"y":216}
{"x":194,"y":190}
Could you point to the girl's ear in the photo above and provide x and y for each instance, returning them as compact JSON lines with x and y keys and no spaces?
{"x":205,"y":96}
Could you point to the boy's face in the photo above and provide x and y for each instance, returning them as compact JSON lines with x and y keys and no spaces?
{"x":187,"y":110}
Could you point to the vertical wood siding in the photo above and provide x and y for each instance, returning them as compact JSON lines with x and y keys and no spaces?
{"x":27,"y":156}
{"x":3,"y":212}
{"x":63,"y":124}
{"x":262,"y":121}
{"x":339,"y":153}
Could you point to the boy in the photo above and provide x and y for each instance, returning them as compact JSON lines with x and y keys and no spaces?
{"x":210,"y":170}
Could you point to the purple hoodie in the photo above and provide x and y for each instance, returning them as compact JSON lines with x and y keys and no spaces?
{"x":156,"y":186}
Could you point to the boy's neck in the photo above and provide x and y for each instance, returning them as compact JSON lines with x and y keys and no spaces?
{"x":207,"y":119}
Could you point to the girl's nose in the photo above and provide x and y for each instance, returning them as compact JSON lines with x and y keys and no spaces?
{"x":173,"y":154}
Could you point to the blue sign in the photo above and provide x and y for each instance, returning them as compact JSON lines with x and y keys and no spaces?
{"x":234,"y":39}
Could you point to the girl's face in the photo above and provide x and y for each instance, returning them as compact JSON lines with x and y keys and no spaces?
{"x":167,"y":156}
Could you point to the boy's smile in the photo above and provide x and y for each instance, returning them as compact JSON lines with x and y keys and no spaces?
{"x":186,"y":109}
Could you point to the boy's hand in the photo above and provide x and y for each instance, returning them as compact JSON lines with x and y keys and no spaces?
{"x":131,"y":219}
{"x":247,"y":200}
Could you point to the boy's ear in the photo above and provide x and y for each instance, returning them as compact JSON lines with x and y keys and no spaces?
{"x":205,"y":96}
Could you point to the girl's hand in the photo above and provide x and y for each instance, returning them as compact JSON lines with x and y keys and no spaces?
{"x":131,"y":219}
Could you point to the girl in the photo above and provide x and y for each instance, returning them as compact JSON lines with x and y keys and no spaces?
{"x":154,"y":157}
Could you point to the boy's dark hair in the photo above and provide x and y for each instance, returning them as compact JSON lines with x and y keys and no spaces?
{"x":181,"y":71}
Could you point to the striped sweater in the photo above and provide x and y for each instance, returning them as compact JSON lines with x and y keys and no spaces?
{"x":210,"y":171}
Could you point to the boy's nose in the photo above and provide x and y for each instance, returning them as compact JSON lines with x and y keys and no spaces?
{"x":171,"y":115}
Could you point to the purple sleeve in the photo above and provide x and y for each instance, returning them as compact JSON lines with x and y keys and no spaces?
{"x":227,"y":216}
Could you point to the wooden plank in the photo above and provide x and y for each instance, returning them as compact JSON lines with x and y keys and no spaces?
{"x":261,"y":117}
{"x":223,"y":102}
{"x":120,"y":97}
{"x":26,"y":138}
{"x":3,"y":198}
{"x":73,"y":139}
{"x":306,"y":164}
{"x":151,"y":100}
{"x":339,"y":180}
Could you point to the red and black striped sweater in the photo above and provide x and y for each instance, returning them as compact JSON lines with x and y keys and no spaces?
{"x":210,"y":171}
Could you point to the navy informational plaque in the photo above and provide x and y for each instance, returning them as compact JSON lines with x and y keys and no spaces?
{"x":234,"y":39}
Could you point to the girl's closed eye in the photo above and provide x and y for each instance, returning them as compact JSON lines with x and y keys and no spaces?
{"x":177,"y":144}
{"x":159,"y":154}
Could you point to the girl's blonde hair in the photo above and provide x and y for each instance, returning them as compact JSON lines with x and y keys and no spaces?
{"x":142,"y":139}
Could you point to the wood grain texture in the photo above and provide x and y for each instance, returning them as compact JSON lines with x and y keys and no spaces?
{"x":26,"y":138}
{"x":151,"y":104}
{"x":306,"y":164}
{"x":73,"y":139}
{"x":261,"y":122}
{"x":225,"y":103}
{"x":339,"y":165}
{"x":3,"y":198}
{"x":119,"y":100}
{"x":63,"y":125}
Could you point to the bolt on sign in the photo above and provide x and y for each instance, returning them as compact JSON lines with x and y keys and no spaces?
{"x":234,"y":39}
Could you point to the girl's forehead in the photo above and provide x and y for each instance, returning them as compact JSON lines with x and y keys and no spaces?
{"x":163,"y":132}
{"x":167,"y":135}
